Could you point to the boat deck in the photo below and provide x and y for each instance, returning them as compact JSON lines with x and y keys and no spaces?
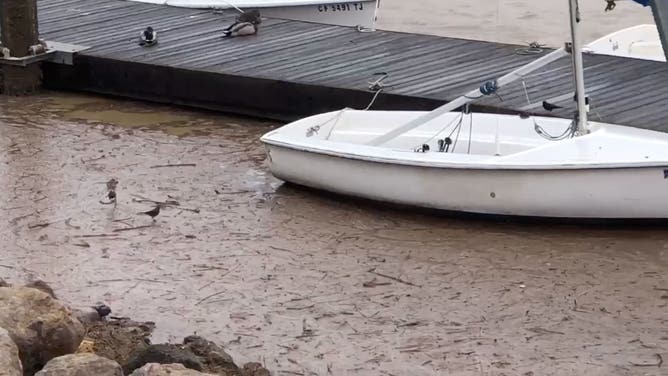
{"x":292,"y":69}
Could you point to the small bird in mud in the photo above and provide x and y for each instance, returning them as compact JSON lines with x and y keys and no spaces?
{"x":111,"y":192}
{"x":153,"y":212}
{"x":549,"y":106}
{"x":246,"y":24}
{"x":148,"y":37}
{"x":102,"y":309}
{"x":112,"y":196}
{"x":112,"y":184}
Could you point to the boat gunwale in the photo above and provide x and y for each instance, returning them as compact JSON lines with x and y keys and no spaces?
{"x":255,"y":4}
{"x":466,"y":165}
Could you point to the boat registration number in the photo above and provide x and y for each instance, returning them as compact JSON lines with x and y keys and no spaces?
{"x":345,"y":7}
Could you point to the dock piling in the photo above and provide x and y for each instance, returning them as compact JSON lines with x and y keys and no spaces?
{"x":18,"y":35}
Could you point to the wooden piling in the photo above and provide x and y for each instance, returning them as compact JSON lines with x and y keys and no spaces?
{"x":18,"y":32}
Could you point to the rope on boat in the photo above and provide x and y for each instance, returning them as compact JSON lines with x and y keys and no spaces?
{"x":568,"y":133}
{"x":377,"y":86}
{"x":373,"y":100}
{"x":534,"y":48}
{"x":312,"y":131}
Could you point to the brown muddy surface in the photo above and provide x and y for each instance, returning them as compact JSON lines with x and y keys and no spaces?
{"x":310,"y":284}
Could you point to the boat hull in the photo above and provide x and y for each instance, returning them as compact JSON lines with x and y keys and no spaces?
{"x":638,"y":42}
{"x":362,"y":13}
{"x":354,"y":13}
{"x":589,"y":193}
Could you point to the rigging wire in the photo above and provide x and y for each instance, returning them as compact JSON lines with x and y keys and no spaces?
{"x":458,"y":120}
{"x":470,"y":133}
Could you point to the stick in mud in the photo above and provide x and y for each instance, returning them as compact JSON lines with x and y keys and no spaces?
{"x":373,"y":271}
{"x":175,"y":165}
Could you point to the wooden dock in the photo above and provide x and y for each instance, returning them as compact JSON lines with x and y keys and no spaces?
{"x":292,"y":69}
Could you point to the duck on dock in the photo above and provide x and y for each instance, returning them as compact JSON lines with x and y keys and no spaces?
{"x":148,"y":37}
{"x":245,"y":24}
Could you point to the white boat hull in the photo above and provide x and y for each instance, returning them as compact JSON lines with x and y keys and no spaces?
{"x":362,"y":13}
{"x":505,"y":169}
{"x":638,"y":42}
{"x":595,"y":194}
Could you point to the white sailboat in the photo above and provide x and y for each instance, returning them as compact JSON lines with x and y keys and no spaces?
{"x":356,"y":13}
{"x":639,"y":42}
{"x":482,"y":163}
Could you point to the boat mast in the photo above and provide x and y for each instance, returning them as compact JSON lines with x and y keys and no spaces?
{"x":578,"y":68}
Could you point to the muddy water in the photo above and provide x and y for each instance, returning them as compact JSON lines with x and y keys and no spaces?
{"x":306,"y":283}
{"x":509,"y":21}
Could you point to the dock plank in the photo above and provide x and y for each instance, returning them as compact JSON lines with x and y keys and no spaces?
{"x":293,"y":68}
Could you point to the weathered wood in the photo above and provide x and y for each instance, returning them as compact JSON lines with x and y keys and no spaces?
{"x":291,"y":69}
{"x":19,"y":31}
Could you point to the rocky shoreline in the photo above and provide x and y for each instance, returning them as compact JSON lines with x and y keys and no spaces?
{"x":42,"y":336}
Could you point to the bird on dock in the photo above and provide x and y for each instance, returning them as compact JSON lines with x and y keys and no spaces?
{"x":245,"y":24}
{"x":252,"y":16}
{"x":549,"y":106}
{"x":148,"y":37}
{"x":153,"y":212}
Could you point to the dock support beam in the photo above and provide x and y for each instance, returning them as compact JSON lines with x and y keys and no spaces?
{"x":18,"y":33}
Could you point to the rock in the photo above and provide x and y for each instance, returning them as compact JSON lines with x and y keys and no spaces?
{"x":254,"y":369}
{"x":164,"y":354}
{"x":4,"y":283}
{"x":81,"y":365}
{"x":10,"y":363}
{"x":153,"y":369}
{"x":117,"y":339}
{"x":212,"y":356}
{"x":41,"y":286}
{"x":42,"y":327}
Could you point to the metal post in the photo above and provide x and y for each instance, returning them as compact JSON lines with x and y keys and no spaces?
{"x":660,"y":11}
{"x":18,"y":32}
{"x":578,"y":67}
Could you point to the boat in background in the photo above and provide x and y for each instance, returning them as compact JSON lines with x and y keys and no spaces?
{"x":355,"y":13}
{"x":639,"y":42}
{"x":483,"y":163}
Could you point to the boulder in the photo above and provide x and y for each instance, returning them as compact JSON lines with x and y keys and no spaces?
{"x":42,"y":327}
{"x":41,"y":286}
{"x":4,"y":283}
{"x":117,"y":339}
{"x":154,"y":369}
{"x":254,"y":369}
{"x":10,"y":363}
{"x":164,"y":354}
{"x":81,"y":365}
{"x":195,"y":353}
{"x":212,"y":356}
